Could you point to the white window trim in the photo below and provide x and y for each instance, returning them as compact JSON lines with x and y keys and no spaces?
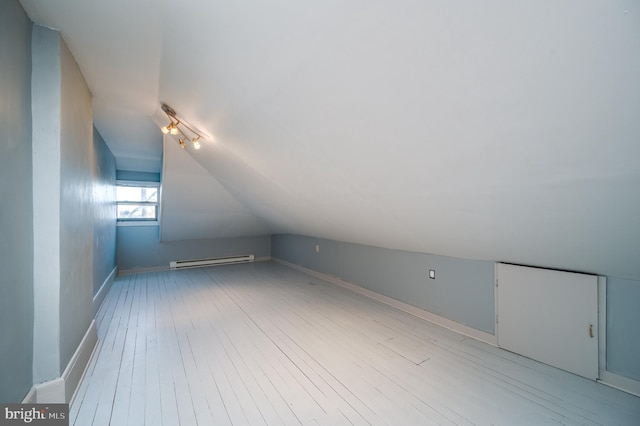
{"x":139,"y":183}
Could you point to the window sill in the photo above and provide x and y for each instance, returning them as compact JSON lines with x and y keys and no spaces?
{"x":138,"y":223}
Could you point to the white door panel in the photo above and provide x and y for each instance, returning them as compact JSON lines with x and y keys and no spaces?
{"x":549,"y":316}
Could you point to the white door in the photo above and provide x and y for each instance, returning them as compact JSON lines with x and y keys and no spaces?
{"x":549,"y":316}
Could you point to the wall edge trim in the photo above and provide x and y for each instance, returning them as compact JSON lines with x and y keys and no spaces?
{"x":63,"y":389}
{"x":31,"y":396}
{"x":405,"y":307}
{"x":101,"y":294}
{"x":619,"y":382}
{"x":602,"y":325}
{"x":142,"y":270}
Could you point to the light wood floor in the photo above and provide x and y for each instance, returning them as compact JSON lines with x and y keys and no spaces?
{"x":264,"y":344}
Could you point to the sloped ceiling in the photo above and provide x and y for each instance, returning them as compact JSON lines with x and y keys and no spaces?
{"x":490,"y":130}
{"x":118,"y":46}
{"x":196,"y":205}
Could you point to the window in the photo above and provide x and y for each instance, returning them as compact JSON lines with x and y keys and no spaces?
{"x":137,"y":201}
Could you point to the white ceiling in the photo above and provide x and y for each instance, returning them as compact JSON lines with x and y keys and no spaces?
{"x":491,"y":130}
{"x":198,"y":205}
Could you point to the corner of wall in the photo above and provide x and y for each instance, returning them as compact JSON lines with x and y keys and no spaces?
{"x":62,"y":389}
{"x":16,"y":213}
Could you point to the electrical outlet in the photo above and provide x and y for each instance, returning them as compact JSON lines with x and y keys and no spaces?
{"x":432,"y":274}
{"x":317,"y":248}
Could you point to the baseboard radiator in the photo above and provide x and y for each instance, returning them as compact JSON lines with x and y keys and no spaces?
{"x":216,"y":261}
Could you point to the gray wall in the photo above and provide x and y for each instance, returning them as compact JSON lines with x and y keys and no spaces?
{"x":139,"y":247}
{"x":76,"y":207}
{"x":73,"y":207}
{"x":104,"y":226}
{"x":623,"y":327}
{"x":16,"y":233}
{"x":462,"y":290}
{"x":46,"y":74}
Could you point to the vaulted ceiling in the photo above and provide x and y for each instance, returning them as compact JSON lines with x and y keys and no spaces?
{"x":492,"y":130}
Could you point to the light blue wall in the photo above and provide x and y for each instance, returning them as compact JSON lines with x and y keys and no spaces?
{"x":45,"y":108}
{"x":77,"y":208}
{"x":623,"y":327}
{"x":140,"y":176}
{"x":462,"y":290}
{"x":104,"y":226}
{"x":16,"y":232}
{"x":139,"y":247}
{"x":74,"y":205}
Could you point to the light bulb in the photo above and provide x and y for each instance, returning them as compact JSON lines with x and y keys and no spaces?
{"x":174,"y":129}
{"x":196,"y":144}
{"x":181,"y":143}
{"x":164,"y":129}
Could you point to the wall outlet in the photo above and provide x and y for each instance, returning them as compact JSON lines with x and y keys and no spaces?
{"x":317,"y":248}
{"x":432,"y":274}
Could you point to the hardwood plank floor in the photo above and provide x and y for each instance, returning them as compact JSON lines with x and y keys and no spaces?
{"x":265,"y":344}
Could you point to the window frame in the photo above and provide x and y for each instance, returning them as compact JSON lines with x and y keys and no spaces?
{"x":139,"y":221}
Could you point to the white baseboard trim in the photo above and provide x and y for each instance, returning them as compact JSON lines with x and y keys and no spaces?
{"x":143,"y":270}
{"x":263,"y":259}
{"x":62,"y":389}
{"x":102,"y":293}
{"x":52,"y":392}
{"x":31,"y":396}
{"x":622,"y":383}
{"x":405,"y":307}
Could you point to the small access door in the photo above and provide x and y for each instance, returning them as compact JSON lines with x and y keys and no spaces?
{"x":550,"y":316}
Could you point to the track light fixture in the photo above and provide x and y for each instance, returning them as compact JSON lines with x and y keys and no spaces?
{"x":178,"y":126}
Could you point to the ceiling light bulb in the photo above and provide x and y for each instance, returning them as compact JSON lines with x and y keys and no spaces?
{"x":181,"y":129}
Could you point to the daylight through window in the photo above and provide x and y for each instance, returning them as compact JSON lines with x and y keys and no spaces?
{"x":137,"y":202}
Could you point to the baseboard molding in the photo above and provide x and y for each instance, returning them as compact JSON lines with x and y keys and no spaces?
{"x":620,"y":382}
{"x":62,"y":389}
{"x":143,"y":270}
{"x":102,"y":292}
{"x":31,"y":396}
{"x":405,"y":307}
{"x":263,"y":259}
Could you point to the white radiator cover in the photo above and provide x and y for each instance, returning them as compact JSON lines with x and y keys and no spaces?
{"x":195,"y":263}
